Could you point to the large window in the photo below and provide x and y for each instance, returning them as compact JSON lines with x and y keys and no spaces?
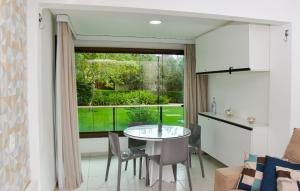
{"x":116,"y":89}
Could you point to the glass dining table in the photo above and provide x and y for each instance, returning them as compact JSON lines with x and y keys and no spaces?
{"x":154,"y":136}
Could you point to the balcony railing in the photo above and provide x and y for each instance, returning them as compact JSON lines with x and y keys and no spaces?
{"x":95,"y":121}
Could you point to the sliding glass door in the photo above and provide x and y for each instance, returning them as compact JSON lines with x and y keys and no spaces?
{"x":118,"y":89}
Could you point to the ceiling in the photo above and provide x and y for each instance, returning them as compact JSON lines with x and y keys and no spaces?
{"x":136,"y":25}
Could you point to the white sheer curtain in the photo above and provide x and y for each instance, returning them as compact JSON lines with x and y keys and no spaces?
{"x":68,"y":162}
{"x":195,"y":87}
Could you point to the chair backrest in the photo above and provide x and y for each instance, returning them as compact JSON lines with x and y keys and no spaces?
{"x":132,"y":143}
{"x":114,"y":144}
{"x":174,"y":150}
{"x":195,"y":138}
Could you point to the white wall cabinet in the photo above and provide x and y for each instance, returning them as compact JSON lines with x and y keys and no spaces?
{"x":228,"y":143}
{"x":237,"y":45}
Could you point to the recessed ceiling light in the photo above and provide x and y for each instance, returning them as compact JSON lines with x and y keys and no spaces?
{"x":155,"y":22}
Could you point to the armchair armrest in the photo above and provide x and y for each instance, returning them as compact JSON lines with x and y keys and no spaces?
{"x":227,"y":178}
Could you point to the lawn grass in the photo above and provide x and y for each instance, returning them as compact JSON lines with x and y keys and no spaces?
{"x":101,"y":119}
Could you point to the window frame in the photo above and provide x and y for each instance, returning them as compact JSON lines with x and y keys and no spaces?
{"x":98,"y":134}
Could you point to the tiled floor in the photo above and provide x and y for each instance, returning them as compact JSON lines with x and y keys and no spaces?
{"x":94,"y":172}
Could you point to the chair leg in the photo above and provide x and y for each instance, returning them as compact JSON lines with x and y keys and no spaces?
{"x":189,"y":176}
{"x":174,"y":168}
{"x":119,"y":174}
{"x":140,"y":170}
{"x":126,"y":164}
{"x":201,"y":163}
{"x":134,"y":167}
{"x":147,"y":172}
{"x":160,"y":177}
{"x":190,"y":159}
{"x":107,"y":167}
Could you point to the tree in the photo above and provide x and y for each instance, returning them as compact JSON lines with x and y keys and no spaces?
{"x":111,"y":70}
{"x":84,"y":93}
{"x":131,"y":72}
{"x":173,"y":73}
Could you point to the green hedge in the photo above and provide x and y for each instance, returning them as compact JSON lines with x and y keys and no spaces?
{"x":174,"y":96}
{"x":113,"y":97}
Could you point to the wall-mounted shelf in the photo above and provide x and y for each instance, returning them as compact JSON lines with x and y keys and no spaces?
{"x":230,"y":70}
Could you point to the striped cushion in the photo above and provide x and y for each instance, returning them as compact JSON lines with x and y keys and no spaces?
{"x":252,"y":174}
{"x":287,"y":179}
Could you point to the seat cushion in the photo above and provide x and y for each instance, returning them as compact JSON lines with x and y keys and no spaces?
{"x":269,"y":181}
{"x":227,"y":178}
{"x":292,"y":152}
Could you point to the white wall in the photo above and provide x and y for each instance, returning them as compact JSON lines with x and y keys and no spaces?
{"x":248,"y":11}
{"x":42,"y":161}
{"x":247,"y":93}
{"x":98,"y":145}
{"x":280,"y":88}
{"x":33,"y":96}
{"x":47,"y":158}
{"x":280,"y":11}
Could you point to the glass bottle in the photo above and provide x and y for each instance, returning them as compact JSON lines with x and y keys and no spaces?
{"x":214,"y":106}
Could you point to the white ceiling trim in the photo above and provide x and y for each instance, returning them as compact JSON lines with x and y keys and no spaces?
{"x":134,"y":39}
{"x":129,"y":44}
{"x":66,"y":18}
{"x":101,"y":7}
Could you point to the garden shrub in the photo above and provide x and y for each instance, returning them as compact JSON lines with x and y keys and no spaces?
{"x":141,"y":97}
{"x":113,"y":97}
{"x":142,"y":114}
{"x":108,"y":97}
{"x":164,"y":99}
{"x":84,"y":93}
{"x":174,"y":96}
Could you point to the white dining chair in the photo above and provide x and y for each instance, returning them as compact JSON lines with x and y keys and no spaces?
{"x":114,"y":149}
{"x":173,"y":152}
{"x":195,"y":145}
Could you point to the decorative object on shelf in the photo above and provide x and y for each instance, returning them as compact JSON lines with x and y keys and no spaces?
{"x":214,"y":106}
{"x":251,"y":120}
{"x":228,"y":112}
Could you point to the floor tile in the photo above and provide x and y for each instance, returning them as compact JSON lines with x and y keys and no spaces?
{"x":94,"y":167}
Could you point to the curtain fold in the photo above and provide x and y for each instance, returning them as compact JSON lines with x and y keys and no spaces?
{"x":195,"y":88}
{"x":68,"y":162}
